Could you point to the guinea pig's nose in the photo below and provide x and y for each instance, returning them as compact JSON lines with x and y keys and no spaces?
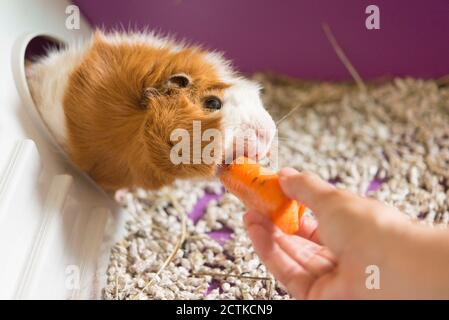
{"x":259,"y":147}
{"x":265,"y":133}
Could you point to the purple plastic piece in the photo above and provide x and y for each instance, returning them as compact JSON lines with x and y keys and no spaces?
{"x":200,"y":206}
{"x":334,"y":181}
{"x":221,"y":236}
{"x":374,"y":185}
{"x":214,"y":284}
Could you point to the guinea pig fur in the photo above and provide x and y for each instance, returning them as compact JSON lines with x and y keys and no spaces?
{"x":113,"y":101}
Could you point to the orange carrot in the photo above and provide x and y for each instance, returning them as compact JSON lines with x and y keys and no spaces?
{"x":259,"y":190}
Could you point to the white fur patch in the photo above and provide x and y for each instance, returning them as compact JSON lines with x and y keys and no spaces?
{"x":243,"y":112}
{"x":145,"y":37}
{"x":48,"y":79}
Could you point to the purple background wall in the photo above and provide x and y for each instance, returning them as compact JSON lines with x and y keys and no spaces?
{"x":286,"y":36}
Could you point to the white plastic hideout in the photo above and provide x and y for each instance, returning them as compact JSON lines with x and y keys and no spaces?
{"x":53,"y":218}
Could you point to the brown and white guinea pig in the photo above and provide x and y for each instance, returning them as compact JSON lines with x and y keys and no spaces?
{"x":113,"y":102}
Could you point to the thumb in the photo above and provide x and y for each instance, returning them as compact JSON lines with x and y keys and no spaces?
{"x":342,"y":217}
{"x":306,"y":188}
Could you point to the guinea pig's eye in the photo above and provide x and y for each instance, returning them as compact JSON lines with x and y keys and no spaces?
{"x":213,"y":103}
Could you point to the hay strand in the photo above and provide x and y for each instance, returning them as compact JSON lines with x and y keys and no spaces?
{"x":343,"y":58}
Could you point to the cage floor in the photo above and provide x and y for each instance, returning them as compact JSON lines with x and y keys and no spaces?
{"x":391,"y":143}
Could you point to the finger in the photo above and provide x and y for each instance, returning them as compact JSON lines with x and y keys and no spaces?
{"x":308,"y":229}
{"x":291,"y":274}
{"x":306,"y":188}
{"x":254,"y":217}
{"x":314,"y":258}
{"x":287,"y":171}
{"x":339,"y":213}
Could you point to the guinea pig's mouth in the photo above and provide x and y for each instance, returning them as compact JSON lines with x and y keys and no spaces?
{"x":260,"y":154}
{"x":224,"y":164}
{"x":253,"y":143}
{"x":253,"y":156}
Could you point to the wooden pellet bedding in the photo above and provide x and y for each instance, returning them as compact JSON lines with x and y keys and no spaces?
{"x":391,"y":143}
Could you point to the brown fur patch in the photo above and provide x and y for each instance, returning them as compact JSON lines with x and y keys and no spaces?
{"x":120,"y":136}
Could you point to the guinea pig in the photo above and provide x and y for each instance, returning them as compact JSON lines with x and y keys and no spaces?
{"x":113,"y":102}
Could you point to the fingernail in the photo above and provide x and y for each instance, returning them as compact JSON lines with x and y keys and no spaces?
{"x":285,"y":172}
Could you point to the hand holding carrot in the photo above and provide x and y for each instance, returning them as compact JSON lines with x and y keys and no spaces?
{"x":333,"y":255}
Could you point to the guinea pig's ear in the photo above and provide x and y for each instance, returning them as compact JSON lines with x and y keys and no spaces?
{"x":179,"y":80}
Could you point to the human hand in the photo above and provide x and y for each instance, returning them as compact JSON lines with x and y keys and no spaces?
{"x":331,"y":255}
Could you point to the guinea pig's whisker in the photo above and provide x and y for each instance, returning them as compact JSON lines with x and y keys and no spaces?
{"x":284,"y":139}
{"x":288,"y":114}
